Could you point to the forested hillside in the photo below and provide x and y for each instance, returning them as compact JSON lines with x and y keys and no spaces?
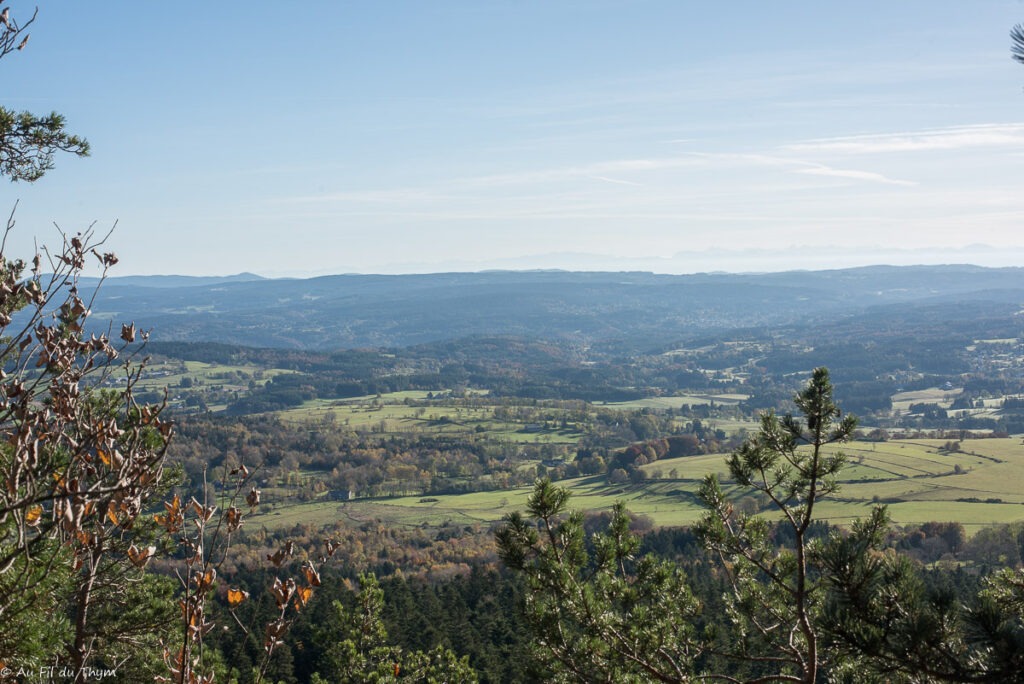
{"x":633,"y":310}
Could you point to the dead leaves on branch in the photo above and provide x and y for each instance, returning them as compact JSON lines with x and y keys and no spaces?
{"x":140,"y":558}
{"x":233,"y":518}
{"x":274,"y":631}
{"x":311,"y":574}
{"x":204,"y":580}
{"x":183,"y":669}
{"x":291,"y":591}
{"x":174,"y":517}
{"x":198,"y":527}
{"x":203,"y":512}
{"x":79,"y":463}
{"x":282,"y":554}
{"x":283,"y":591}
{"x":75,"y":458}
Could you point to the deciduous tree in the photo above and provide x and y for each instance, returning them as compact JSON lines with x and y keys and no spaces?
{"x":78,"y":464}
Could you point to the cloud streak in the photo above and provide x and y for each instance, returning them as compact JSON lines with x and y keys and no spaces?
{"x":804,"y":166}
{"x":869,"y":176}
{"x":953,"y":138}
{"x":616,"y":181}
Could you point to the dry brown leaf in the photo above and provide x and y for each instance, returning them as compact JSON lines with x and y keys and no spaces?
{"x":34,"y":515}
{"x":302,"y":596}
{"x":236,"y":596}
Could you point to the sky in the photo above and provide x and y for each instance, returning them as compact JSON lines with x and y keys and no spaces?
{"x":300,"y":139}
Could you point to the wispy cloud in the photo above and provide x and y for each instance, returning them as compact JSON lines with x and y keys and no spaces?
{"x":804,"y":166}
{"x":870,"y":176}
{"x":601,"y":170}
{"x":616,"y":181}
{"x":957,"y":137}
{"x":605,"y":171}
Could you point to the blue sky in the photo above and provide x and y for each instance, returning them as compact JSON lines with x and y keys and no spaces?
{"x":328,"y":137}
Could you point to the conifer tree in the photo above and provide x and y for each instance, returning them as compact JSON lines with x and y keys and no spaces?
{"x":885,"y":623}
{"x":363,"y":654}
{"x":29,"y":141}
{"x":776,"y":588}
{"x":600,"y":615}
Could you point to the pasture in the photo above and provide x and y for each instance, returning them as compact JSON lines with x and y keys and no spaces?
{"x":411,"y":412}
{"x":933,"y":395}
{"x":919,"y":481}
{"x":200,"y":376}
{"x":678,"y":401}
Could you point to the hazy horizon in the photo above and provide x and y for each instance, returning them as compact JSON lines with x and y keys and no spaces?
{"x":750,"y":261}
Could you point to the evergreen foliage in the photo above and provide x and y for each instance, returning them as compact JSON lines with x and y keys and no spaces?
{"x":881,"y":616}
{"x":775,"y":590}
{"x":363,"y":653}
{"x":599,"y":614}
{"x":29,"y":141}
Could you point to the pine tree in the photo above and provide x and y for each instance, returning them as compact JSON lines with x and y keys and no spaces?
{"x":29,"y":141}
{"x":600,"y":615}
{"x":776,"y":589}
{"x":363,"y":654}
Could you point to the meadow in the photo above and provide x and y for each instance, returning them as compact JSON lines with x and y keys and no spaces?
{"x":413,"y":412}
{"x":193,"y":379}
{"x":976,"y":482}
{"x":919,"y":481}
{"x":678,"y":401}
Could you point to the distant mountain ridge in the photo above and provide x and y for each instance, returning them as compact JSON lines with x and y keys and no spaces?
{"x":172,"y":281}
{"x":343,"y":311}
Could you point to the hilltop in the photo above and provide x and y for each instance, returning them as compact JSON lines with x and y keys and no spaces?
{"x":635,"y":309}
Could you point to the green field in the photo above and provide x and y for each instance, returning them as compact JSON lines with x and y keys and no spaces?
{"x":171,"y":374}
{"x":979,"y":485}
{"x":679,"y":401}
{"x":184,"y":380}
{"x":659,"y":500}
{"x":934,"y":395}
{"x":392,"y":413}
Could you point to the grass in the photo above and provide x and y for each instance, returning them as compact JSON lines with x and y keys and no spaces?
{"x":934,"y":395}
{"x":678,"y":401}
{"x":390,"y":414}
{"x":395,"y":413}
{"x":206,"y":375}
{"x":920,"y":481}
{"x":664,"y":502}
{"x":916,"y":479}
